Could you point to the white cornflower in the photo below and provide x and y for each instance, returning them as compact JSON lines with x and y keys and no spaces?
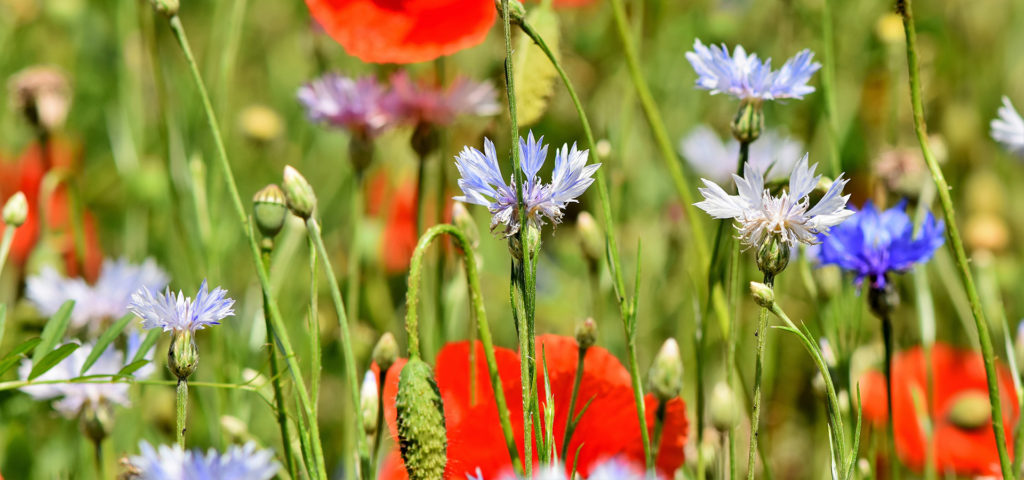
{"x":1008,"y":128}
{"x":789,"y":215}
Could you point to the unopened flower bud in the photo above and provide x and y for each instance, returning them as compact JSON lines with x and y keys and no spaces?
{"x":591,"y":238}
{"x":586,"y":333}
{"x":368,"y":403}
{"x":666,"y":375}
{"x":516,"y":10}
{"x":168,"y":8}
{"x":16,"y":210}
{"x":183,"y":356}
{"x":425,"y":139}
{"x":763,"y":294}
{"x":748,"y":122}
{"x":532,"y":238}
{"x":360,"y":152}
{"x":723,"y":407}
{"x":299,"y":193}
{"x":464,"y":221}
{"x":421,"y":423}
{"x":883,"y":299}
{"x":43,"y":95}
{"x":772,"y":256}
{"x":971,"y":410}
{"x":97,"y":420}
{"x":385,"y":352}
{"x":237,"y":430}
{"x":269,"y":209}
{"x":260,"y":124}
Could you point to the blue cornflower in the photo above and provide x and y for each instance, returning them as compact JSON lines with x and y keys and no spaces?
{"x":748,"y":78}
{"x":179,"y":313}
{"x":872,"y":244}
{"x":482,"y":184}
{"x":174,"y":463}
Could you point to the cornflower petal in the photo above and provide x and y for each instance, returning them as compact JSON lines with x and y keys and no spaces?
{"x":1008,"y":128}
{"x":748,"y":78}
{"x":171,"y":312}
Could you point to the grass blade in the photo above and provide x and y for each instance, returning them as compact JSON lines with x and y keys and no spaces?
{"x":53,"y":332}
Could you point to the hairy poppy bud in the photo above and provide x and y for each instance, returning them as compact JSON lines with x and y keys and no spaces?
{"x":748,"y":122}
{"x":183,"y":356}
{"x":763,"y":294}
{"x":421,"y":428}
{"x":368,"y":398}
{"x":586,"y":333}
{"x":666,"y":374}
{"x":724,"y":413}
{"x":16,"y":210}
{"x":299,"y":193}
{"x":385,"y":352}
{"x":269,"y":209}
{"x":773,"y":256}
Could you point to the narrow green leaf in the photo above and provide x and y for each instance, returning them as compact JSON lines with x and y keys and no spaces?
{"x":147,"y":344}
{"x":101,"y":343}
{"x":131,"y":368}
{"x":3,"y":321}
{"x":51,"y":359}
{"x":53,"y":332}
{"x":11,"y":359}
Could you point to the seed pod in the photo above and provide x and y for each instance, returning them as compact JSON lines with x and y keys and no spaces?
{"x":269,"y":209}
{"x":421,"y":428}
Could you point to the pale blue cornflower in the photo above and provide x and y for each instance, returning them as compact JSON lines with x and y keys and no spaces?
{"x":355,"y":104}
{"x":1008,"y":128}
{"x":746,"y":77}
{"x":174,"y":463}
{"x":482,"y":183}
{"x":74,"y":396}
{"x":788,"y":216}
{"x":773,"y":155}
{"x":612,"y":469}
{"x":177,"y":313}
{"x":107,"y":299}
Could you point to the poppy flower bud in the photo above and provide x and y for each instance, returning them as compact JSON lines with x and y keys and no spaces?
{"x":591,"y":238}
{"x":368,"y":398}
{"x":970,"y":410}
{"x":168,"y":8}
{"x":665,"y":378}
{"x":385,"y":352}
{"x":269,"y":209}
{"x":773,"y":256}
{"x":883,"y":299}
{"x":516,"y":11}
{"x":763,"y":294}
{"x":421,"y":427}
{"x":43,"y":95}
{"x":462,"y":219}
{"x":299,"y":193}
{"x":748,"y":122}
{"x":97,"y":420}
{"x":724,"y":414}
{"x":16,"y":210}
{"x":183,"y":356}
{"x":586,"y":334}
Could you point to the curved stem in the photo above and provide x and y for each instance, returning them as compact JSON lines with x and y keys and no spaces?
{"x":755,"y":413}
{"x":236,"y":200}
{"x":182,"y":411}
{"x":953,"y":234}
{"x":476,"y":299}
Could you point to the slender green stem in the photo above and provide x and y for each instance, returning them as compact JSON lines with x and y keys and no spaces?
{"x":755,"y":411}
{"x":476,"y":299}
{"x":953,"y":234}
{"x":828,"y":87}
{"x":264,"y":279}
{"x":894,"y":460}
{"x":346,"y":340}
{"x":570,"y":424}
{"x":280,"y":406}
{"x":5,"y":245}
{"x":315,"y":363}
{"x":659,"y":423}
{"x":182,"y":410}
{"x":634,"y":370}
{"x":661,"y":137}
{"x":355,"y":253}
{"x":101,"y":470}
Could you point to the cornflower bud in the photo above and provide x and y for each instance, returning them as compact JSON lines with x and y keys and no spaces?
{"x":773,"y":256}
{"x":269,"y":209}
{"x":385,"y":352}
{"x":168,"y":8}
{"x":421,"y":427}
{"x":299,"y":193}
{"x":586,"y":333}
{"x":666,"y":375}
{"x":462,"y":219}
{"x":763,"y":294}
{"x":516,"y":11}
{"x":97,"y":420}
{"x":368,"y":398}
{"x":748,"y":122}
{"x":591,"y":238}
{"x":724,"y":414}
{"x":16,"y":210}
{"x":183,"y":356}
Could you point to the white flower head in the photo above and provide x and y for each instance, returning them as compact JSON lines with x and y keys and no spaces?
{"x":789,"y":215}
{"x":1008,"y":128}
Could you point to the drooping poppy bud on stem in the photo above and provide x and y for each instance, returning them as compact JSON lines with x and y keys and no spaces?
{"x":421,"y":422}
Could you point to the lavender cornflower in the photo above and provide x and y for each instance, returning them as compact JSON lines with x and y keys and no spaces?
{"x":873,"y":244}
{"x":355,"y":104}
{"x":748,"y":78}
{"x":76,"y":396}
{"x":773,"y":156}
{"x":174,"y":463}
{"x":773,"y":224}
{"x":482,"y":184}
{"x":416,"y":103}
{"x":1008,"y":128}
{"x":107,"y":299}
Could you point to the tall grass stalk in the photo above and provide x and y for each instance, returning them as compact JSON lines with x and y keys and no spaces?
{"x":905,"y":8}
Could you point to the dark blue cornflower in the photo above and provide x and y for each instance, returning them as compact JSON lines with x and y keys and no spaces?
{"x":482,"y":183}
{"x":746,"y":77}
{"x":176,"y":313}
{"x":873,"y":244}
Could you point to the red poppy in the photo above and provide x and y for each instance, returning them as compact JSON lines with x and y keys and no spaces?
{"x":404,"y":31}
{"x":27,"y":175}
{"x":400,"y":230}
{"x":607,"y":430}
{"x":958,"y":376}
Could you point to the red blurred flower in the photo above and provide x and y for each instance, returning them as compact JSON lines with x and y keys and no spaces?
{"x":404,"y":31}
{"x":27,"y":175}
{"x":608,"y":429}
{"x":958,"y":376}
{"x":400,"y":230}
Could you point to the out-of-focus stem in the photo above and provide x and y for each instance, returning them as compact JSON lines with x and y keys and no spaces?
{"x":5,"y":245}
{"x":281,"y":407}
{"x":894,"y":460}
{"x":828,"y":87}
